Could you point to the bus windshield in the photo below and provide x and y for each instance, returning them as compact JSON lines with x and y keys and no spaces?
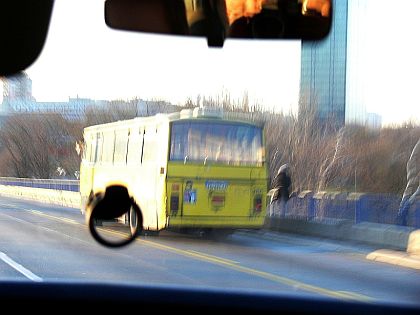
{"x":217,"y":142}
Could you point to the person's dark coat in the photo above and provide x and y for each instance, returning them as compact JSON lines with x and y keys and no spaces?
{"x":282,"y":183}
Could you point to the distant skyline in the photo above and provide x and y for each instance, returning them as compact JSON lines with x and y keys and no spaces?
{"x":83,"y":62}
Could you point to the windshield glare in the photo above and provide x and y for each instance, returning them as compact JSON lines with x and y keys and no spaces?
{"x":307,"y":185}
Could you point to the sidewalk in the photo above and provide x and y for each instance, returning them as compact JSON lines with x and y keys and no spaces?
{"x":396,"y":245}
{"x":409,"y":258}
{"x":380,"y":235}
{"x":394,"y":257}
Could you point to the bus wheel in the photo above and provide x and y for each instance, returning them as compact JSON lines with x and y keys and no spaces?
{"x":133,"y":220}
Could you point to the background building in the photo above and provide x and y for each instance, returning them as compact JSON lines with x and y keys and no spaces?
{"x":331,"y":70}
{"x":18,"y":87}
{"x":18,"y":99}
{"x":373,"y":120}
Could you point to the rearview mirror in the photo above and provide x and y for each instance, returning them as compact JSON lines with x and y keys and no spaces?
{"x":220,"y":19}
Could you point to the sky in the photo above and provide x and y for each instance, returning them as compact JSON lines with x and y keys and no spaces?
{"x":91,"y":60}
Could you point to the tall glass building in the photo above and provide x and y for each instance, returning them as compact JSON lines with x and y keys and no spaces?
{"x":328,"y":83}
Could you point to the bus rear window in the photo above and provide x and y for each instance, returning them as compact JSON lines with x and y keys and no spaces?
{"x":216,"y":142}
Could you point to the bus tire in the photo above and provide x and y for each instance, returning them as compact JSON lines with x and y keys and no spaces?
{"x":134,"y":220}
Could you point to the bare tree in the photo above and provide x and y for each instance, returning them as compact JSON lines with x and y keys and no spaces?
{"x":35,"y":144}
{"x":412,"y":189}
{"x":322,"y":157}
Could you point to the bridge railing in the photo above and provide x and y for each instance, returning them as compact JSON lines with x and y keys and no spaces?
{"x":353,"y":207}
{"x":56,"y":184}
{"x":308,"y":205}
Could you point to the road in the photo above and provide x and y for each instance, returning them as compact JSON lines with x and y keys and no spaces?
{"x":42,"y":242}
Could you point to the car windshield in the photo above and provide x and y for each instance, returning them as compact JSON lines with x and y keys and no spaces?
{"x":288,"y":167}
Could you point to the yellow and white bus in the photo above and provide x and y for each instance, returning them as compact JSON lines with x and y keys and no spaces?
{"x":191,"y":169}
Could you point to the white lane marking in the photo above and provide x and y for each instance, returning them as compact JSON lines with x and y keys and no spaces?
{"x":43,"y":227}
{"x":27,"y":273}
{"x":40,"y":213}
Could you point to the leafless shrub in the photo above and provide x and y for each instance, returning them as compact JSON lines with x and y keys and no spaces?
{"x":34,"y":145}
{"x":353,"y":158}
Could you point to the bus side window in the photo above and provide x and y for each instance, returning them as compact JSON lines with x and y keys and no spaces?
{"x":179,"y":142}
{"x":143,"y":133}
{"x":92,"y":146}
{"x":120,"y":152}
{"x":149,"y":145}
{"x":108,"y":147}
{"x":85,"y":152}
{"x":84,"y":146}
{"x":98,"y":148}
{"x":135,"y":144}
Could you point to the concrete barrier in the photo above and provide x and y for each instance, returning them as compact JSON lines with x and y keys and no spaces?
{"x":393,"y":257}
{"x":408,"y":258}
{"x":58,"y":197}
{"x":386,"y":235}
{"x":381,"y":235}
{"x":413,"y":247}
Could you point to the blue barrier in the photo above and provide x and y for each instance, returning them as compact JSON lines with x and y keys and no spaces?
{"x":413,"y":215}
{"x":297,"y":206}
{"x":337,"y":207}
{"x":319,"y":203}
{"x":56,"y":184}
{"x":379,"y":208}
{"x":356,"y":207}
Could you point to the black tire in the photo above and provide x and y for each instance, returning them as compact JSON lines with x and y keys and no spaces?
{"x":133,"y":221}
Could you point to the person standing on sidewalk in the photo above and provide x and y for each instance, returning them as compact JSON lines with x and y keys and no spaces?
{"x":281,"y":185}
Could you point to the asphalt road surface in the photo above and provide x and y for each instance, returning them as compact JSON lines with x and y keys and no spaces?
{"x":42,"y":242}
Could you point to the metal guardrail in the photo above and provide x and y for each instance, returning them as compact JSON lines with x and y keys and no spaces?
{"x":56,"y":184}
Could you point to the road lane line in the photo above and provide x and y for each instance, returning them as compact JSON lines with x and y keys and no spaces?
{"x":357,"y":296}
{"x":27,"y":273}
{"x":342,"y":295}
{"x":2,"y":204}
{"x":262,"y":274}
{"x":214,"y":257}
{"x":71,"y":221}
{"x":45,"y":228}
